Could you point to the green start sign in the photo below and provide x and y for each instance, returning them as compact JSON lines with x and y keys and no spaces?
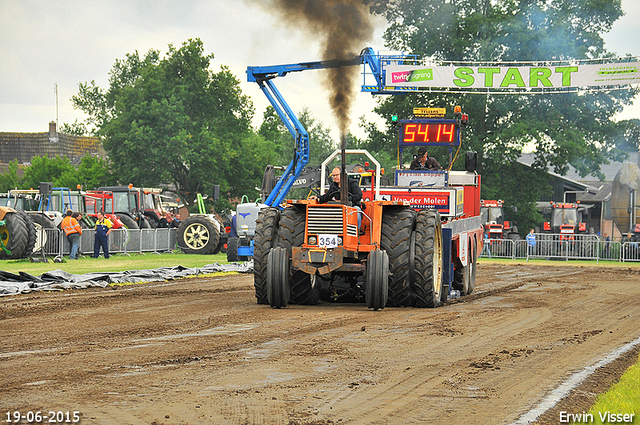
{"x":504,"y":77}
{"x":512,"y":77}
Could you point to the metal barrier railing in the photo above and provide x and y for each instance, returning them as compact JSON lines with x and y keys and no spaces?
{"x":121,"y":241}
{"x":562,"y":247}
{"x":548,"y":246}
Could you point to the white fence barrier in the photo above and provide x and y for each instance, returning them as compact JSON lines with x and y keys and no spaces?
{"x":562,"y":247}
{"x":121,"y":241}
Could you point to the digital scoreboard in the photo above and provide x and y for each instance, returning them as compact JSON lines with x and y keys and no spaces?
{"x":440,"y":132}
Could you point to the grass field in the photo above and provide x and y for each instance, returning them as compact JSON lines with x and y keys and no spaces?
{"x":623,"y":398}
{"x":116,"y":263}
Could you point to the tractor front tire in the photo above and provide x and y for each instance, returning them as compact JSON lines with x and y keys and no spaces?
{"x":198,"y":235}
{"x":377,"y":279}
{"x":278,"y":287}
{"x":263,"y":241}
{"x":31,"y":233}
{"x":290,"y":234}
{"x":232,"y":249}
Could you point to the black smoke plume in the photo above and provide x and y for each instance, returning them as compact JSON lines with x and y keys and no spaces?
{"x":343,"y":28}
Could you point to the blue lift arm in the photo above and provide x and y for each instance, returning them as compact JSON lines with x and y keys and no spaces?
{"x":264,"y":75}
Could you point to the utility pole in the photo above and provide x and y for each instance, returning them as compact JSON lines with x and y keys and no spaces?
{"x":55,"y":90}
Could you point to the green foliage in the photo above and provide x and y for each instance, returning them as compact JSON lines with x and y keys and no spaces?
{"x":45,"y":169}
{"x":75,"y":129}
{"x":91,"y":173}
{"x":562,"y":129}
{"x":9,"y":179}
{"x":172,"y":119}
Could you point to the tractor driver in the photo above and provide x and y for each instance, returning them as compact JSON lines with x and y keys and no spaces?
{"x":424,"y":162}
{"x":355,"y":194}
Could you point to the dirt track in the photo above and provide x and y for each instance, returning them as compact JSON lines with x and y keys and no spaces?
{"x":200,"y":351}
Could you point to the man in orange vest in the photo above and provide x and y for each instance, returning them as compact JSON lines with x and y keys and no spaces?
{"x":73,"y":231}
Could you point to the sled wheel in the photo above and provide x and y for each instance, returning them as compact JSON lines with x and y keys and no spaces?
{"x":278,"y":287}
{"x":473,"y":266}
{"x":377,"y":279}
{"x":428,"y":286}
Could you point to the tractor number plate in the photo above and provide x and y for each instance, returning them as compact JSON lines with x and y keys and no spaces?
{"x":327,"y":241}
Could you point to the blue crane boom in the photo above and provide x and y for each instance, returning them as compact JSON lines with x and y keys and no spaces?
{"x":264,"y":76}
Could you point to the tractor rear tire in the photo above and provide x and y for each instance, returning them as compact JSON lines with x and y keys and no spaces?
{"x":198,"y":235}
{"x":232,"y":249}
{"x":397,"y":225}
{"x":278,"y":286}
{"x":31,"y":232}
{"x":290,"y":234}
{"x":428,"y":288}
{"x":263,"y":241}
{"x":15,"y":236}
{"x":377,"y":279}
{"x":143,"y":223}
{"x":128,"y":222}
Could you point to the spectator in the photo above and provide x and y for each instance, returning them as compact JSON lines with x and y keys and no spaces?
{"x":486,"y":243}
{"x":103,"y":228}
{"x":72,"y":231}
{"x":531,"y":241}
{"x":607,"y":245}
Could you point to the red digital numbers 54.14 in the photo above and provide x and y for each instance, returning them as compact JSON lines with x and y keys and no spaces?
{"x":425,"y":133}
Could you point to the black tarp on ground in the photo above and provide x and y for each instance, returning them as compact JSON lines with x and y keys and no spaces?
{"x":58,"y":280}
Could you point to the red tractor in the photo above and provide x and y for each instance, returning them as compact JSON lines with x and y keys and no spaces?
{"x":100,"y":200}
{"x":493,"y":222}
{"x":564,"y":219}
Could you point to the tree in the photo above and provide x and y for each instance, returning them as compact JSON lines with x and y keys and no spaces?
{"x":45,"y":169}
{"x":562,"y":129}
{"x":172,"y":119}
{"x":92,"y":173}
{"x":9,"y":179}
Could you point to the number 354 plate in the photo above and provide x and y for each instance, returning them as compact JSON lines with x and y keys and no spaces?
{"x":327,"y":241}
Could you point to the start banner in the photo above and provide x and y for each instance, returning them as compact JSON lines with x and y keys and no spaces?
{"x":507,"y":77}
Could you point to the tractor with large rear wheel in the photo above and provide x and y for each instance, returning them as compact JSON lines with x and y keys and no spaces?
{"x":400,"y":255}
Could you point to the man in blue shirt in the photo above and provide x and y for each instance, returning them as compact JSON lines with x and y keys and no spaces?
{"x":531,"y":241}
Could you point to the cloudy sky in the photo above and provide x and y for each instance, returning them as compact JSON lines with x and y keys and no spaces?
{"x":44,"y":43}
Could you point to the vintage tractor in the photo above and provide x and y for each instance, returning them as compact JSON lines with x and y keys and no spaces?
{"x":309,"y":250}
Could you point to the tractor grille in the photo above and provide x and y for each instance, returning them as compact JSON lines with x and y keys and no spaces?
{"x":325,"y":220}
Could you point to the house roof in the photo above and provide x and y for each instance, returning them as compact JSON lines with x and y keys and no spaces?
{"x":609,"y":170}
